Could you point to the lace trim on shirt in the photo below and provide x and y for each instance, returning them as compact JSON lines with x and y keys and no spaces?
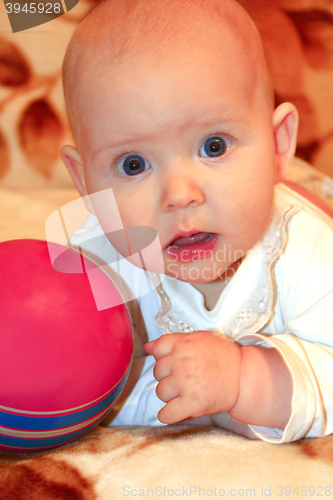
{"x":252,"y":314}
{"x":164,"y":318}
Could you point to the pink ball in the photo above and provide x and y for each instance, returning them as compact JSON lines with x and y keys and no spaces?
{"x":63,"y":363}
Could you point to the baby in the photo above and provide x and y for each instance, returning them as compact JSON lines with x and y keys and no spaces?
{"x":172,"y":107}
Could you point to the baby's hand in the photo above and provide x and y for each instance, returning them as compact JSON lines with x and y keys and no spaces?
{"x":198,"y":374}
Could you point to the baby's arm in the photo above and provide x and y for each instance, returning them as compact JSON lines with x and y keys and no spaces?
{"x":266,"y":389}
{"x":202,"y":374}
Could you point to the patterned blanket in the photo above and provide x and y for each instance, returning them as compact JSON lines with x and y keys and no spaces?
{"x":175,"y":461}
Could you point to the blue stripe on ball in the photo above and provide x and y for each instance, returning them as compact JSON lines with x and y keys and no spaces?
{"x":32,"y":423}
{"x":19,"y":444}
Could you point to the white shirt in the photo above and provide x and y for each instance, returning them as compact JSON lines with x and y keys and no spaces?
{"x":281,"y":296}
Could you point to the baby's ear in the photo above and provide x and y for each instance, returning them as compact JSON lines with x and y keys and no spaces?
{"x":74,"y":164}
{"x":285,"y":126}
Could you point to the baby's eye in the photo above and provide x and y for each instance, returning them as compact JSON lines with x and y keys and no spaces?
{"x":133,"y":165}
{"x":215,"y":146}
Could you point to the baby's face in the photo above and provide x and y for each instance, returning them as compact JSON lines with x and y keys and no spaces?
{"x":188,"y":149}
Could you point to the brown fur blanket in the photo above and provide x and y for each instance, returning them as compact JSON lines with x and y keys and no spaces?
{"x":175,"y":461}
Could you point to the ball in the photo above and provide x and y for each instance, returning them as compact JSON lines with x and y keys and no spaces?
{"x":63,"y":362}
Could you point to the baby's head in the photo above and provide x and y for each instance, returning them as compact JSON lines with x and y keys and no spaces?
{"x":172,"y":107}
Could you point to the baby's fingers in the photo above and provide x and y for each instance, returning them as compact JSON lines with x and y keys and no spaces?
{"x":174,"y":411}
{"x":161,"y":346}
{"x":163,"y":367}
{"x":167,"y":389}
{"x":148,"y":347}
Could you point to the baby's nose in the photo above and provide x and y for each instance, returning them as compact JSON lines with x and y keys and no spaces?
{"x":181,"y":189}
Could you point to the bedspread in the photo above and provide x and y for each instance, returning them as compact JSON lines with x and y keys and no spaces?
{"x":176,"y":461}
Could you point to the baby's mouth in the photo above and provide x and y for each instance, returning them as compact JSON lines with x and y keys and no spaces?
{"x":193,"y":247}
{"x":191,"y":240}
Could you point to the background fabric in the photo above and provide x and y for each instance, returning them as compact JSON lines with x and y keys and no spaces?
{"x":170,"y":462}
